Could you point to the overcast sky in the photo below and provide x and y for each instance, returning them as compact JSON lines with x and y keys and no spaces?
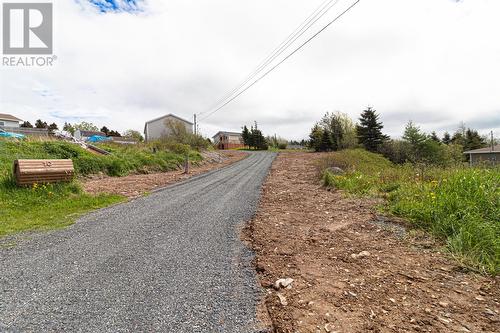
{"x":120,"y":63}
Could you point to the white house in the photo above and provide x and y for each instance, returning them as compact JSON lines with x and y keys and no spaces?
{"x":157,"y":128}
{"x":7,"y":120}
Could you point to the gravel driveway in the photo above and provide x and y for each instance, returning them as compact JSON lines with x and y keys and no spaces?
{"x":168,"y":262}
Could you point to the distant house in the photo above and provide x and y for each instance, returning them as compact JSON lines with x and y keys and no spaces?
{"x":484,"y":155}
{"x":228,"y":140}
{"x":7,"y":120}
{"x":83,"y":135}
{"x":124,"y":140}
{"x":157,"y":128}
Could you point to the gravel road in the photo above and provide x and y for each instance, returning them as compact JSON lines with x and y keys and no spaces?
{"x":168,"y":262}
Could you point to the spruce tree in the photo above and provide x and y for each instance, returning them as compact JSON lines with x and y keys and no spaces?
{"x":315,"y":137}
{"x":473,"y":140}
{"x":246,"y":136}
{"x":446,"y":138}
{"x":369,"y":130}
{"x":434,"y":137}
{"x":326,"y":141}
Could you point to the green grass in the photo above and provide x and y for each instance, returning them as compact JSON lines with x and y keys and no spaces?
{"x":49,"y":206}
{"x":461,"y":206}
{"x":44,"y":207}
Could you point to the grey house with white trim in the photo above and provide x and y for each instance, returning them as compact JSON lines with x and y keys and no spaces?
{"x":157,"y":128}
{"x":489,"y":155}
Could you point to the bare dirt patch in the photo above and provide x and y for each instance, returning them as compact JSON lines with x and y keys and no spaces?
{"x":352,"y":274}
{"x":133,"y":186}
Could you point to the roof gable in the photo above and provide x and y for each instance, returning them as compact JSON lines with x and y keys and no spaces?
{"x":169,"y":115}
{"x":166,"y":116}
{"x":226,"y":133}
{"x":4,"y":116}
{"x":486,"y":150}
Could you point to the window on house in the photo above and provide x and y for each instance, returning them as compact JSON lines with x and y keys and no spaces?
{"x":2,"y":123}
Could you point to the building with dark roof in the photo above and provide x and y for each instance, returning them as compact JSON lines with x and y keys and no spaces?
{"x":489,"y":154}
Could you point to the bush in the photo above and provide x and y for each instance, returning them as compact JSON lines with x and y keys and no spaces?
{"x":428,"y":152}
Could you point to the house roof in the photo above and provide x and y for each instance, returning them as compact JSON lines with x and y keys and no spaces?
{"x":123,"y":139}
{"x":227,"y":133}
{"x":165,"y":116}
{"x":91,"y":133}
{"x":4,"y":116}
{"x":487,"y":150}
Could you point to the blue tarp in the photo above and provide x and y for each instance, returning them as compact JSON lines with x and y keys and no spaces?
{"x":4,"y":134}
{"x":98,"y":138}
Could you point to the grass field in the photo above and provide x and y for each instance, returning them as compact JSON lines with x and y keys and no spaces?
{"x":48,"y":206}
{"x":459,"y":205}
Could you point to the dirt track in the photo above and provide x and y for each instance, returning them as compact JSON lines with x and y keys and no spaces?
{"x":403,"y":284}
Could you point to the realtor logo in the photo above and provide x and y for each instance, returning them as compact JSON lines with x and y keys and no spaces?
{"x":27,"y":28}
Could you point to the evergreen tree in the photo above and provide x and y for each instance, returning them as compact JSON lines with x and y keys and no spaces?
{"x":446,"y":138}
{"x":53,"y":127}
{"x":413,"y":135}
{"x":416,"y":140}
{"x":40,"y":124}
{"x":251,"y":138}
{"x":114,"y":133}
{"x":369,"y":130}
{"x":326,"y":141}
{"x":434,"y":137}
{"x":473,"y":140}
{"x":315,"y":137}
{"x":26,"y":124}
{"x":105,"y":130}
{"x":246,"y":136}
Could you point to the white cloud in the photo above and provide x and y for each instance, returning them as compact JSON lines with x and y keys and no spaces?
{"x":433,"y":61}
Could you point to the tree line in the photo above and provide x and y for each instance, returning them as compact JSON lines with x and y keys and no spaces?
{"x":336,"y":131}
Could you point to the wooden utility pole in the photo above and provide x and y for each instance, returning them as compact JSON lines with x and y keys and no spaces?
{"x":195,"y":125}
{"x":186,"y":164}
{"x":492,"y":142}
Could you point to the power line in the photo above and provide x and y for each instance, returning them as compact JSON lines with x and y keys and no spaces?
{"x":297,"y":33}
{"x":286,"y":58}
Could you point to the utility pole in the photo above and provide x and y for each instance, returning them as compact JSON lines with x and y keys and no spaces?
{"x":195,"y":125}
{"x":492,"y":142}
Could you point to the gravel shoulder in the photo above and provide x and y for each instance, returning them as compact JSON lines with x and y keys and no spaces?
{"x":168,"y":262}
{"x":133,"y":186}
{"x":353,"y":271}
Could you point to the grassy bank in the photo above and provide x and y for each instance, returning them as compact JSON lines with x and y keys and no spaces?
{"x":459,"y":205}
{"x":57,"y":205}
